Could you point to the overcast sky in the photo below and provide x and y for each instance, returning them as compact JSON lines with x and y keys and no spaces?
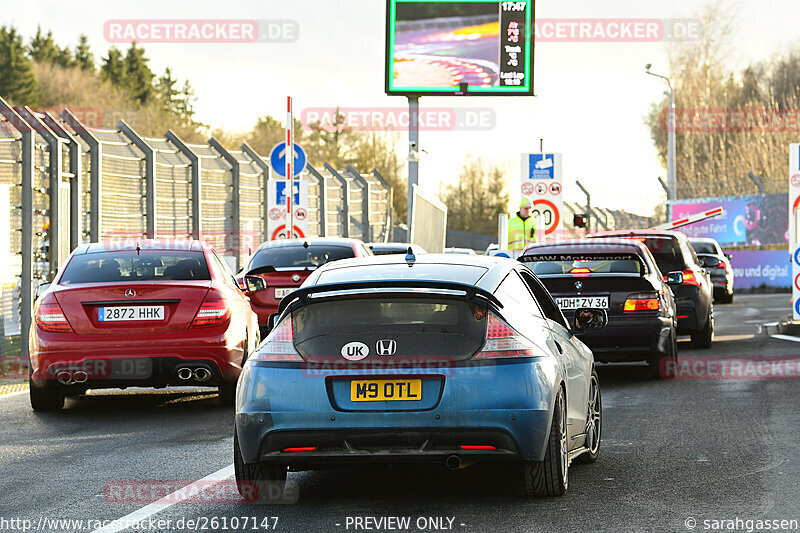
{"x":590,"y":103}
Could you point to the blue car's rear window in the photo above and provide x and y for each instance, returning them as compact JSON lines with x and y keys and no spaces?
{"x":436,"y":272}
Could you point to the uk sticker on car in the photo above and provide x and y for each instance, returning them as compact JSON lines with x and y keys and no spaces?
{"x":595,"y":302}
{"x":130,"y":313}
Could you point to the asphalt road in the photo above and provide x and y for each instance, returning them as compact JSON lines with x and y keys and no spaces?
{"x":672,"y":451}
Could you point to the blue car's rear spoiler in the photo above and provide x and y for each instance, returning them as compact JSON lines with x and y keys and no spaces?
{"x":472,"y":292}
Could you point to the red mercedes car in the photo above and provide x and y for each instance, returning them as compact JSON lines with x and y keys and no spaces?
{"x":149,"y":313}
{"x":279,"y":267}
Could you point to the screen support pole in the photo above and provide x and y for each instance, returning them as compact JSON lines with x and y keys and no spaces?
{"x":413,"y":154}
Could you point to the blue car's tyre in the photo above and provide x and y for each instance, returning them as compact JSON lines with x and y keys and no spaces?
{"x":46,"y":398}
{"x":227,"y":393}
{"x":260,"y":482}
{"x":594,"y":422}
{"x":550,"y":477}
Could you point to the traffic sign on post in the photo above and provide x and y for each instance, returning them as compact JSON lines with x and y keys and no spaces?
{"x":541,"y":181}
{"x":277,"y":159}
{"x":794,"y":224}
{"x":277,"y":217}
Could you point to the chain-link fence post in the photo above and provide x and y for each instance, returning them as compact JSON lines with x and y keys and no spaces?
{"x":265,"y":176}
{"x":389,"y":203}
{"x":75,"y":228}
{"x":323,"y":200}
{"x":194,"y":161}
{"x":54,"y":186}
{"x":95,"y":172}
{"x":345,"y":211}
{"x":236,"y":222}
{"x":149,"y":176}
{"x":26,"y":223}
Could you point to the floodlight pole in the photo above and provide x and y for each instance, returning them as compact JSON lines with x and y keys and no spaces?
{"x":413,"y":154}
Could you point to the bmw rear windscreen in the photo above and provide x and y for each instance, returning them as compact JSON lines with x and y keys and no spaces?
{"x":603,"y":263}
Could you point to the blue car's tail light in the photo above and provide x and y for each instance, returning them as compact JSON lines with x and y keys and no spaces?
{"x":503,"y":342}
{"x":279,"y":345}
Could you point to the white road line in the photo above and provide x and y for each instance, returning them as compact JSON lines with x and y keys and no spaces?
{"x":786,"y":338}
{"x":156,"y":507}
{"x":15,"y":393}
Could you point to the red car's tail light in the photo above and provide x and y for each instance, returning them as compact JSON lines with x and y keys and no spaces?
{"x":641,"y":304}
{"x":214,"y":310}
{"x":279,"y":345}
{"x":722,"y":264}
{"x":502,"y":341}
{"x":689,"y":278}
{"x":50,"y":317}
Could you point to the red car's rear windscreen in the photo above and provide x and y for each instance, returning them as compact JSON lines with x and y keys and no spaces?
{"x":299,"y":256}
{"x":124,"y":266}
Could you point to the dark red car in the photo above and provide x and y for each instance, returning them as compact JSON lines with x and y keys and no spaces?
{"x":279,"y":267}
{"x":149,"y":313}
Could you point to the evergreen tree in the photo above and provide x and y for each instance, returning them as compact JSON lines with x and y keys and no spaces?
{"x":113,"y":67}
{"x":18,"y":81}
{"x":42,"y":48}
{"x":84,"y":59}
{"x":138,"y":77}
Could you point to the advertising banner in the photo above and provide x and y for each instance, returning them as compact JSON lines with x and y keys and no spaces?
{"x":748,"y":220}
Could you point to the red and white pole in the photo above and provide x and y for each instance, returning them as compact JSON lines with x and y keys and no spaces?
{"x":289,"y":170}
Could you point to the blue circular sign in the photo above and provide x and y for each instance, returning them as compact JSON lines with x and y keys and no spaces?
{"x":797,"y":255}
{"x":797,"y":306}
{"x":277,"y":158}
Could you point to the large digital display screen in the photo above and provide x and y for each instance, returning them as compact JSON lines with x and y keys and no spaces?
{"x":435,"y":46}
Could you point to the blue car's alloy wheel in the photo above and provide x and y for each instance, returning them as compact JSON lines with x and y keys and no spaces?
{"x":594,"y":422}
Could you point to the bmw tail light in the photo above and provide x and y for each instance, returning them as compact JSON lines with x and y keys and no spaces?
{"x":641,"y":304}
{"x":213,"y":311}
{"x":722,"y":264}
{"x":279,"y":345}
{"x":503,"y":342}
{"x":50,"y":317}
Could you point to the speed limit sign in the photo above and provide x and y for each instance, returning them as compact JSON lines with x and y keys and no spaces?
{"x":549,"y":212}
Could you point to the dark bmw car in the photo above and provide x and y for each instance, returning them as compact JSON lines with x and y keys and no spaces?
{"x":441,"y":359}
{"x":693,"y":296}
{"x":621,"y":276}
{"x":718,"y":265}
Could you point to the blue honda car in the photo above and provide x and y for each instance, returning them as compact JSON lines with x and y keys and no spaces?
{"x":444,"y":359}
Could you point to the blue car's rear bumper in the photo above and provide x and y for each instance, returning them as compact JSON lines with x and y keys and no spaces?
{"x":507,"y":405}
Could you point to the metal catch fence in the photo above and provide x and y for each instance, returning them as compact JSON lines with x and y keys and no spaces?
{"x":65,"y":183}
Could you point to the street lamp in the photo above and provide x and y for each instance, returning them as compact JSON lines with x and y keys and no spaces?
{"x":670,"y":141}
